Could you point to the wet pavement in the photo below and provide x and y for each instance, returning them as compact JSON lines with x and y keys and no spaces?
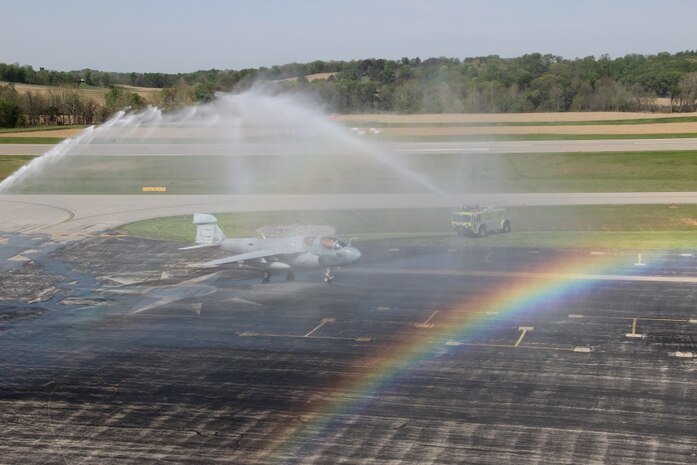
{"x":414,"y":356}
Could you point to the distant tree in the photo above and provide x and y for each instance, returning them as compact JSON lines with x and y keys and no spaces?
{"x":72,"y":104}
{"x":114,"y":100}
{"x":135,"y":101}
{"x":10,"y":112}
{"x":687,"y":97}
{"x":407,"y":97}
{"x":202,"y":92}
{"x":87,"y":76}
{"x":33,"y":105}
{"x":90,"y":109}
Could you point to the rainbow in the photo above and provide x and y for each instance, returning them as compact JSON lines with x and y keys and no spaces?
{"x":520,"y":294}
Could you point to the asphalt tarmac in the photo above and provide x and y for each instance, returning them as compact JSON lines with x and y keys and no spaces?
{"x":413,"y":356}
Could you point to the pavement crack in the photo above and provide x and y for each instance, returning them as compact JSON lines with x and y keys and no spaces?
{"x":237,"y":442}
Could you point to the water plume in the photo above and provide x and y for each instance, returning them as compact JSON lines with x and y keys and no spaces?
{"x":256,"y":142}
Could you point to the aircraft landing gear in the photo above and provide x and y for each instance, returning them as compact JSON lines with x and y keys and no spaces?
{"x":265,"y":276}
{"x":328,"y":274}
{"x":290,"y":276}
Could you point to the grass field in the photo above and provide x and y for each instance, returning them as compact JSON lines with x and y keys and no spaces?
{"x":31,"y":129}
{"x":610,"y":227}
{"x":31,"y":140}
{"x":11,"y":163}
{"x":666,"y":171}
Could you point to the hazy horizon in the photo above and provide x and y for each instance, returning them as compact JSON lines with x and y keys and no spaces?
{"x":176,"y":37}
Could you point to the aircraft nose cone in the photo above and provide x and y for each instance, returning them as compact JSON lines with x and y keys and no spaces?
{"x":355,"y":255}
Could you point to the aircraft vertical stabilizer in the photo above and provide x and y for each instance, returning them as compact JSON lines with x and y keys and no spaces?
{"x":207,"y":230}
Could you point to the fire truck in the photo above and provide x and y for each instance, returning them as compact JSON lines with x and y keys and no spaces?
{"x":479,"y":221}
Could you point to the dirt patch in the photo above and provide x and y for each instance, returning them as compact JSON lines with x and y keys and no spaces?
{"x":320,"y":76}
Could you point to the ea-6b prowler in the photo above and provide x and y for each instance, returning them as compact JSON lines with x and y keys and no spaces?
{"x":280,"y":254}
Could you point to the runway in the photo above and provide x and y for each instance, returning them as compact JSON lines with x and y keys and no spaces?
{"x":405,"y":359}
{"x":463,"y":147}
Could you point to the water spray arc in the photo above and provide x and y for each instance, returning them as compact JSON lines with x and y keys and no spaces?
{"x":252,"y":142}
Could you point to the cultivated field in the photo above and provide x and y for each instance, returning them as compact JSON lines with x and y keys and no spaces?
{"x":96,"y":93}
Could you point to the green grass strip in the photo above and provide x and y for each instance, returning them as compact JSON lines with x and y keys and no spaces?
{"x":31,"y":140}
{"x":11,"y":163}
{"x":42,"y":128}
{"x":630,"y":227}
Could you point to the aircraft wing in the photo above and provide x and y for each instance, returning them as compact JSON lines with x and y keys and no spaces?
{"x":200,"y":246}
{"x":255,"y":254}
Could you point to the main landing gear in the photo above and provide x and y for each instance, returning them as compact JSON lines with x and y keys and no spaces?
{"x":328,"y":274}
{"x":290,"y":276}
{"x":266,"y":276}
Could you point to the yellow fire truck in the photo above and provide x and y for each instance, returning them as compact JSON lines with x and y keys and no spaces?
{"x":479,"y":221}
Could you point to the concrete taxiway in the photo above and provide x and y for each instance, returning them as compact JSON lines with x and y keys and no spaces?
{"x":75,"y":215}
{"x":411,"y":357}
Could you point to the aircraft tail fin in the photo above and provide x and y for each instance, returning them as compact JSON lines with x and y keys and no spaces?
{"x":207,"y":230}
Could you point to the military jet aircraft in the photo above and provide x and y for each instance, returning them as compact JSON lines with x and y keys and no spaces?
{"x":284,"y":254}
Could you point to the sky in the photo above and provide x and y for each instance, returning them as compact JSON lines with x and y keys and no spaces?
{"x":182,"y":36}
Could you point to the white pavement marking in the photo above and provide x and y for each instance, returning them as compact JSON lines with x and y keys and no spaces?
{"x":324,"y":321}
{"x":634,"y":334}
{"x":523,"y":331}
{"x":683,"y":354}
{"x":427,"y":324}
{"x":526,"y":275}
{"x":508,"y":346}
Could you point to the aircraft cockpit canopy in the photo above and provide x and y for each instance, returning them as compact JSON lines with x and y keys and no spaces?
{"x":332,"y":243}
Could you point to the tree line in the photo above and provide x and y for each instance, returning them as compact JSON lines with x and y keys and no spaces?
{"x":530,"y":83}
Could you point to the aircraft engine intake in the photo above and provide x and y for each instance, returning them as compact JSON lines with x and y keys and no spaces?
{"x":306,"y":260}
